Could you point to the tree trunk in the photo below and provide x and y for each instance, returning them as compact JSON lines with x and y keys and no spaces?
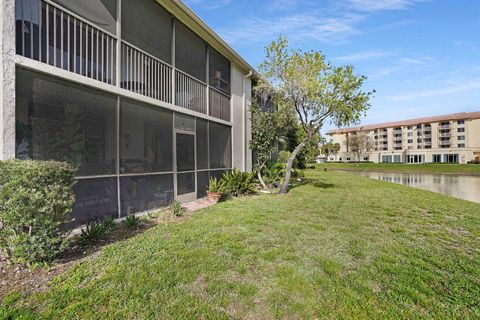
{"x":261,"y":180}
{"x":288,"y":170}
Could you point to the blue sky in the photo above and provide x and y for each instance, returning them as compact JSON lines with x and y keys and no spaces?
{"x":421,"y":56}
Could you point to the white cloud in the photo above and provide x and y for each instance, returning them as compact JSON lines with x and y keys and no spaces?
{"x":295,"y":27}
{"x":363,"y":55}
{"x":445,"y":90}
{"x":381,"y":5}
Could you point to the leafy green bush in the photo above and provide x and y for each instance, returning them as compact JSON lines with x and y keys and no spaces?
{"x":93,"y":232}
{"x":274,"y":173}
{"x":298,"y":173}
{"x":132,"y":221}
{"x":36,"y":198}
{"x":237,"y":183}
{"x":109,"y":224}
{"x":177,"y":208}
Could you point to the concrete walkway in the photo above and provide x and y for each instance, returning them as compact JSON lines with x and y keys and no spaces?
{"x":197,"y":204}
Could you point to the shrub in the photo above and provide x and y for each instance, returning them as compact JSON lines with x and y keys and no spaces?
{"x":132,"y":221}
{"x":36,"y":198}
{"x":236,"y":183}
{"x":274,"y":173}
{"x":109,"y":224}
{"x":93,"y":232}
{"x":177,"y":208}
{"x":297,"y":173}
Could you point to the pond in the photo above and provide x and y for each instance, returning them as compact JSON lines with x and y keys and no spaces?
{"x":459,"y":186}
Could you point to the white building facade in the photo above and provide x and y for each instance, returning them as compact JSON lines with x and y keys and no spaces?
{"x":453,"y":138}
{"x":141,"y":95}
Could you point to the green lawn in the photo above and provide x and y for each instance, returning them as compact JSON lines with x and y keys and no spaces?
{"x":339,"y":247}
{"x":399,"y":167}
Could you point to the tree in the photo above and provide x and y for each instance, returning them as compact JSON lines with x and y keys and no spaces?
{"x":306,"y":84}
{"x":264,"y":138}
{"x":359,"y":143}
{"x":330,"y":148}
{"x":336,"y":149}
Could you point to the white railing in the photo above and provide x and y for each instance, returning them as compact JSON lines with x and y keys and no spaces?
{"x":219,"y":104}
{"x":190,"y":93}
{"x":49,"y":34}
{"x":145,"y":74}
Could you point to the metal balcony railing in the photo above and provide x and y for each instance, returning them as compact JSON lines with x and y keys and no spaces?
{"x":190,"y":93}
{"x":445,"y":126}
{"x":145,"y":74}
{"x":445,"y":135}
{"x":52,"y":35}
{"x":219,"y":104}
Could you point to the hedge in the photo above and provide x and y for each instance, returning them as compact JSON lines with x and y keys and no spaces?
{"x":36,"y":198}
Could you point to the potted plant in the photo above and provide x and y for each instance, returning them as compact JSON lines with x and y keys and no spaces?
{"x":214,"y":191}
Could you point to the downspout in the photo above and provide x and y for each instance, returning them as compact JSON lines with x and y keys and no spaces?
{"x":244,"y":111}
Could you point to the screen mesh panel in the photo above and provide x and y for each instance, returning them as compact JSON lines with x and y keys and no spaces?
{"x":219,"y":69}
{"x":145,"y":138}
{"x":96,"y":199}
{"x":58,"y":120}
{"x":202,"y":144}
{"x":148,"y":26}
{"x":220,"y":146}
{"x":144,"y":193}
{"x":190,"y":52}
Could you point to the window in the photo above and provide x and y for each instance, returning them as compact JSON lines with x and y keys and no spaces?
{"x":450,"y":158}
{"x":410,"y":134}
{"x":145,"y":138}
{"x":190,"y":52}
{"x":437,"y":158}
{"x":148,"y":26}
{"x":220,"y":146}
{"x":58,"y":120}
{"x":387,"y":159}
{"x":419,"y":140}
{"x":461,"y":138}
{"x":410,"y":140}
{"x":419,"y":126}
{"x":415,"y":158}
{"x":461,"y":122}
{"x":219,"y":69}
{"x":460,"y":130}
{"x":410,"y":127}
{"x":461,"y":145}
{"x":397,"y":158}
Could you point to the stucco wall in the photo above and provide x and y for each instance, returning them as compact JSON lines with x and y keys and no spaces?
{"x":241,"y":93}
{"x":7,"y":79}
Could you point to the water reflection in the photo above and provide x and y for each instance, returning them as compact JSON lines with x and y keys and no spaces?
{"x":462,"y":187}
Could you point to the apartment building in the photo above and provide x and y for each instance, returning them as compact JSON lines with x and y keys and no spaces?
{"x":452,"y":138}
{"x":141,"y":95}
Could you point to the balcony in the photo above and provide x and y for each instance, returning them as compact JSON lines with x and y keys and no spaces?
{"x":397,"y":145}
{"x":445,"y":135}
{"x":52,"y":35}
{"x":444,"y":126}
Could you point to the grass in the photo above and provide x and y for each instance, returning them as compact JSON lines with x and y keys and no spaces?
{"x":401,"y":167}
{"x":338,"y":247}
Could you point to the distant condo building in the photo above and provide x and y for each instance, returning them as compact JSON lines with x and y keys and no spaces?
{"x":452,"y":138}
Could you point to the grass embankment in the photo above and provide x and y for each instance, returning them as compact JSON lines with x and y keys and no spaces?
{"x":339,"y":247}
{"x":473,"y":169}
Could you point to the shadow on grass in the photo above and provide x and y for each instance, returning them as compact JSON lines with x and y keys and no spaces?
{"x":315,"y":182}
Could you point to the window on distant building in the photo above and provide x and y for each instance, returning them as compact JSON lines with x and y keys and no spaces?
{"x":461,"y":138}
{"x":461,"y":122}
{"x":461,"y":145}
{"x":410,"y":127}
{"x":419,"y":126}
{"x":410,"y":140}
{"x":410,"y":134}
{"x":437,"y":158}
{"x":461,"y":130}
